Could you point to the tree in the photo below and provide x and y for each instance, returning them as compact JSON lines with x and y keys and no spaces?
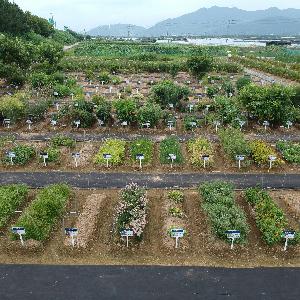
{"x":199,"y":65}
{"x":103,"y":111}
{"x":149,"y":113}
{"x":167,"y":92}
{"x":272,"y":103}
{"x":126,"y":110}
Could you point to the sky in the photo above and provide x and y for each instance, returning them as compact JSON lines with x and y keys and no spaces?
{"x":87,"y":14}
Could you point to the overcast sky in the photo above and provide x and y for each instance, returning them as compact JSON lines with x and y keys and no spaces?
{"x":87,"y":14}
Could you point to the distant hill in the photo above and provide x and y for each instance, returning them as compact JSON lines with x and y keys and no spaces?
{"x":216,"y":21}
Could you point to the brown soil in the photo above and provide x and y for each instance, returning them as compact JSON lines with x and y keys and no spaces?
{"x":106,"y":248}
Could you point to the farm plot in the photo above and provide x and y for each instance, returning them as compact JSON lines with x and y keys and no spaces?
{"x":87,"y":221}
{"x":174,"y":217}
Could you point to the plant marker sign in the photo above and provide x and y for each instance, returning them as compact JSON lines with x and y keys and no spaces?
{"x":53,"y":123}
{"x":171,"y":105}
{"x":77,"y":123}
{"x":29,"y":123}
{"x":170,"y":124}
{"x":288,"y":235}
{"x":6,"y":122}
{"x":172,"y":157}
{"x":57,"y":106}
{"x":217,"y":124}
{"x":124,"y":123}
{"x":72,"y":233}
{"x":233,"y":235}
{"x":266,"y":124}
{"x":191,"y":107}
{"x":177,"y":233}
{"x":242,"y":123}
{"x":193,"y":125}
{"x":272,"y":158}
{"x":76,"y":156}
{"x":107,"y":157}
{"x":11,"y":155}
{"x":140,"y":157}
{"x":19,"y":231}
{"x":205,"y":158}
{"x":147,"y":124}
{"x":289,"y":124}
{"x":127,"y":233}
{"x":240,"y":158}
{"x":45,"y":156}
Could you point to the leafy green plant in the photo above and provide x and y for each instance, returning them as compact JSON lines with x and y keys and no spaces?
{"x":167,"y":92}
{"x":224,"y":214}
{"x":24,"y":154}
{"x":11,"y":198}
{"x":168,"y":146}
{"x":63,"y":141}
{"x":116,"y":148}
{"x":43,"y":212}
{"x":190,"y":122}
{"x":103,"y":110}
{"x":197,"y":148}
{"x":234,"y":143}
{"x":149,"y":113}
{"x":269,"y":217}
{"x":13,"y":107}
{"x":142,"y":146}
{"x":199,"y":65}
{"x":176,"y":196}
{"x":53,"y":155}
{"x":290,"y":151}
{"x":261,"y":152}
{"x":126,"y":110}
{"x":176,"y":212}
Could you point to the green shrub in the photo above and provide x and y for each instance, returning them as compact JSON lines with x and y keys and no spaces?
{"x":170,"y":146}
{"x":188,"y":120}
{"x":290,"y":151}
{"x":116,"y":148}
{"x":53,"y":155}
{"x":224,"y":214}
{"x":13,"y":107}
{"x":38,"y":110}
{"x":149,"y":113}
{"x":103,"y":110}
{"x":142,"y":146}
{"x":167,"y":92}
{"x":63,"y":141}
{"x":197,"y":148}
{"x":234,"y":143}
{"x":269,"y":217}
{"x":261,"y":152}
{"x":126,"y":110}
{"x":41,"y":215}
{"x":11,"y":198}
{"x":23,"y":155}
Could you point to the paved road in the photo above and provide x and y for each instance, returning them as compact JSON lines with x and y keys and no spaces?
{"x":119,"y":180}
{"x":155,"y":137}
{"x":19,"y":282}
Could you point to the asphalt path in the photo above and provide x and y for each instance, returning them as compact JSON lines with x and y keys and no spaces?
{"x":99,"y":180}
{"x":80,"y":137}
{"x":22,"y":282}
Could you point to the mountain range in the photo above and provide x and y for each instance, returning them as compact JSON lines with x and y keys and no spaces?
{"x":214,"y":21}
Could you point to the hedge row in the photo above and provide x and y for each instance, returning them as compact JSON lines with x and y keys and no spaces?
{"x":220,"y":206}
{"x":270,"y":218}
{"x":43,"y":212}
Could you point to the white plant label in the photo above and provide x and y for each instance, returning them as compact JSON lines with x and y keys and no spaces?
{"x":177,"y":233}
{"x":233,"y":235}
